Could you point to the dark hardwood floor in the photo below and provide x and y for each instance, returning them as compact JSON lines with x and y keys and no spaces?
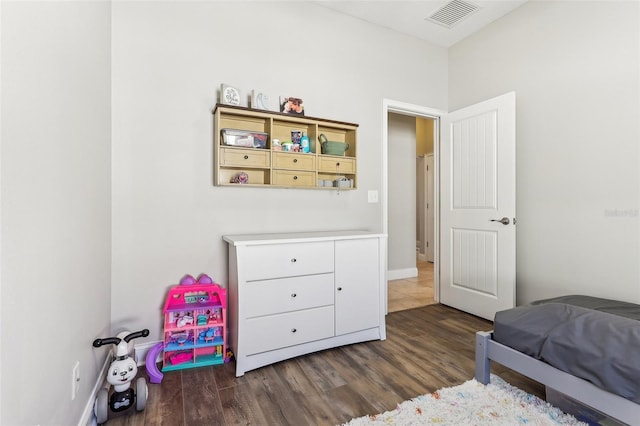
{"x":426,"y":349}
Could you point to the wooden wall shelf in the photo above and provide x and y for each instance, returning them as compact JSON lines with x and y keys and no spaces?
{"x":266,"y":167}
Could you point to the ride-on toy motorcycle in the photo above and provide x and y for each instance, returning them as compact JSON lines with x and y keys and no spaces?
{"x":122,"y":371}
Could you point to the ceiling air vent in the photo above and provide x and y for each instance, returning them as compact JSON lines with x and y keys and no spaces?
{"x":452,"y":13}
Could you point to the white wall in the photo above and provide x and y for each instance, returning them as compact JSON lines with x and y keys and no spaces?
{"x":575,"y":68}
{"x":402,"y":196}
{"x":55,"y":197}
{"x":169,"y":60}
{"x":106,"y":170}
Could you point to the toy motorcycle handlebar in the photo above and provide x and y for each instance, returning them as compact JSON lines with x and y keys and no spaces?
{"x":116,"y":340}
{"x":135,"y":335}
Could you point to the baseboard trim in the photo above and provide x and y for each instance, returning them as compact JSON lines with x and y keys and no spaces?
{"x":140,"y":352}
{"x":401,"y":274}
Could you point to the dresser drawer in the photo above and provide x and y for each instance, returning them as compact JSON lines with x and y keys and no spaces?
{"x":289,"y":161}
{"x":288,"y":260}
{"x":288,"y":294}
{"x":336,"y":165}
{"x":294,"y":178}
{"x":244,"y":157}
{"x":293,"y":328}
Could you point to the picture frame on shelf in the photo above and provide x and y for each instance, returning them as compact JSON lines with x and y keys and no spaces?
{"x":259,"y":100}
{"x":291,"y":105}
{"x":229,"y":95}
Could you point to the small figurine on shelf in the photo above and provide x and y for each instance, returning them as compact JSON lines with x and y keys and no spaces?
{"x":209,"y":336}
{"x":186,"y":319}
{"x":202,"y":320}
{"x":206,"y":336}
{"x":180,"y":337}
{"x":214,"y":316}
{"x":240,"y":177}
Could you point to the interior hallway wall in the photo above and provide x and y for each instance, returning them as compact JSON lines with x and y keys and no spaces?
{"x":402,"y":196}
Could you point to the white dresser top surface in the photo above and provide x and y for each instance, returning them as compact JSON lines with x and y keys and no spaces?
{"x":251,"y":239}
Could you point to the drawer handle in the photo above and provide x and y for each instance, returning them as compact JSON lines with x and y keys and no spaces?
{"x":337,"y":164}
{"x":246,"y":157}
{"x":293,"y":330}
{"x":294,"y":295}
{"x":294,"y":260}
{"x":295,"y":178}
{"x":339,"y":288}
{"x":295,"y":160}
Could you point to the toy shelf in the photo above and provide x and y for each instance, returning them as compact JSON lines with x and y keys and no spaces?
{"x":195,"y":323}
{"x":178,"y":347}
{"x":266,"y":165}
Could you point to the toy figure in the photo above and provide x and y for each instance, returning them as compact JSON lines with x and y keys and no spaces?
{"x":122,"y":371}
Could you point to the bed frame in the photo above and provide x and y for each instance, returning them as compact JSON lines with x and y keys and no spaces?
{"x":584,"y":392}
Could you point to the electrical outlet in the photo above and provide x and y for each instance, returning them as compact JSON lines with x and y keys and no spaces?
{"x":75,"y":380}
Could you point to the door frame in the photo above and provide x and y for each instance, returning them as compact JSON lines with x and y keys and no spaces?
{"x":404,"y":108}
{"x":430,"y":225}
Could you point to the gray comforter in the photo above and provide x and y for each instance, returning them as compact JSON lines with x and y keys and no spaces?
{"x":595,"y":339}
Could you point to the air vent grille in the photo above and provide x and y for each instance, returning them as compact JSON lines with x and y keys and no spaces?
{"x":452,"y":13}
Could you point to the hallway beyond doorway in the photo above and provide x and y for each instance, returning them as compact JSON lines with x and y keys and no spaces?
{"x":413,"y":292}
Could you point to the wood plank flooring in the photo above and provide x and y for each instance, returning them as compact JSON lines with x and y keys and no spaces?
{"x":426,"y":349}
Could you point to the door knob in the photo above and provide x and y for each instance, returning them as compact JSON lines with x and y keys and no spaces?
{"x":504,"y":220}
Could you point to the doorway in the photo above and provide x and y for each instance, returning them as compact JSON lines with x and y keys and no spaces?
{"x":412,"y":267}
{"x":414,"y":292}
{"x":401,"y":289}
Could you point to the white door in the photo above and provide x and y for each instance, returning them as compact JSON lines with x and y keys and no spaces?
{"x":478,"y":207}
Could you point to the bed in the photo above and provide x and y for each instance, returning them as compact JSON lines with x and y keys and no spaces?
{"x":581,"y":347}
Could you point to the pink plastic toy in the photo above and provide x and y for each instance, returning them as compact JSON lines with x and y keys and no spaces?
{"x":180,"y":358}
{"x":204,"y":279}
{"x":187,"y":280}
{"x":195,"y":324}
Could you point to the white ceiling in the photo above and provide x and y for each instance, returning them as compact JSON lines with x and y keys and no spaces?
{"x":408,"y":17}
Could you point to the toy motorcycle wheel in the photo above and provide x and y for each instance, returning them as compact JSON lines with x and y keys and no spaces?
{"x":101,"y":406}
{"x":141,"y":394}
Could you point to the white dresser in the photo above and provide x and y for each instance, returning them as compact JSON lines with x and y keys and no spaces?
{"x":292,"y":294}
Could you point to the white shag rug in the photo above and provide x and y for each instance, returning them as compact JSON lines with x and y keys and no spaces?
{"x":472,"y":403}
